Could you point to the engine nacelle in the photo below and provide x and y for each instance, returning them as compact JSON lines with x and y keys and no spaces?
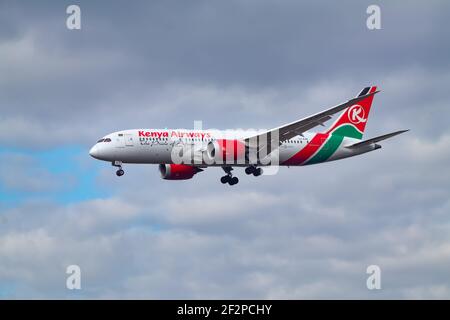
{"x":226,"y":151}
{"x":177,"y":171}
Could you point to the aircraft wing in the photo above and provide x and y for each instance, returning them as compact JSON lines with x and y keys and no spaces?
{"x":375,"y":140}
{"x":290,"y":130}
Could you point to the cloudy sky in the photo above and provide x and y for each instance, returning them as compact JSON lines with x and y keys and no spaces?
{"x":306,"y":232}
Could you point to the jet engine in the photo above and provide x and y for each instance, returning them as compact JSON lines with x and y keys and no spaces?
{"x":177,"y":171}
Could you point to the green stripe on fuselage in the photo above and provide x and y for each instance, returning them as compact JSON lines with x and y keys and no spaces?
{"x":347,"y":130}
{"x":330,"y":146}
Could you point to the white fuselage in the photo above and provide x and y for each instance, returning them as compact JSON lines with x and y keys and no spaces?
{"x":158,"y":146}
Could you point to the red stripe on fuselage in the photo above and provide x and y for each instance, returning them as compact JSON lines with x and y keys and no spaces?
{"x":308,"y":151}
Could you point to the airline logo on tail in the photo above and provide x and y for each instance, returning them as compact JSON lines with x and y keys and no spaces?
{"x":352,"y":122}
{"x":356,"y":114}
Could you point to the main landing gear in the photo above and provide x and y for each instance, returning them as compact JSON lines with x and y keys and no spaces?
{"x":120,"y":171}
{"x":254,"y":170}
{"x":228,"y":178}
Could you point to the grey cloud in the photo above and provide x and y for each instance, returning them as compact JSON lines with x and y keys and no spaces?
{"x":306,"y":232}
{"x":117,"y":66}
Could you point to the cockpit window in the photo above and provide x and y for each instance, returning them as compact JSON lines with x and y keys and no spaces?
{"x":107,"y":140}
{"x":101,"y":140}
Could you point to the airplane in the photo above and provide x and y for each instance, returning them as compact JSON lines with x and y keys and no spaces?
{"x":182,"y":153}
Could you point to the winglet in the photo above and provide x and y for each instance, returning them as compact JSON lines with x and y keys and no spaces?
{"x":366,"y":91}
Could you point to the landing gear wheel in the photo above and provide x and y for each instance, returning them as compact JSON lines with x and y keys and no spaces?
{"x":118,"y":164}
{"x":225,"y":179}
{"x":256,"y":172}
{"x":228,"y":178}
{"x":250,"y":170}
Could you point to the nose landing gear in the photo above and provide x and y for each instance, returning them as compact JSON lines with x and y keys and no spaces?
{"x":120,"y":171}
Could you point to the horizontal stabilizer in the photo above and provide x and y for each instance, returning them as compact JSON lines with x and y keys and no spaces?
{"x":375,"y":140}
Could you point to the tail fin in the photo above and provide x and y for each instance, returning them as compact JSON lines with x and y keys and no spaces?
{"x":353,"y":120}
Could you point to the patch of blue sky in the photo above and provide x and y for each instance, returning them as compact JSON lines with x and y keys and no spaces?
{"x":7,"y":198}
{"x":7,"y":290}
{"x":71,"y":164}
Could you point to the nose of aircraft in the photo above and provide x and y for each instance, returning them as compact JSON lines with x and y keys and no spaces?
{"x":94,"y":151}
